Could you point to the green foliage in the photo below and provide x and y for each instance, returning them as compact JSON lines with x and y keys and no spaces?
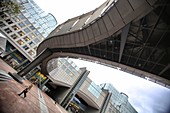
{"x":9,"y":7}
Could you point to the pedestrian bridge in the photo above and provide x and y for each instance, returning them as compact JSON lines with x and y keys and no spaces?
{"x":131,"y":35}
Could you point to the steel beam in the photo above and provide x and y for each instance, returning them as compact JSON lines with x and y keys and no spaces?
{"x":124,"y":35}
{"x":165,"y":69}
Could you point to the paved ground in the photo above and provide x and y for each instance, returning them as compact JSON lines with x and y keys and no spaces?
{"x":5,"y":67}
{"x":35,"y":102}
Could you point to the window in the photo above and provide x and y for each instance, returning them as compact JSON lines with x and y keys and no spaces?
{"x":63,"y":67}
{"x":59,"y":63}
{"x":20,"y":42}
{"x":31,"y":44}
{"x":15,"y":27}
{"x":36,"y":32}
{"x":27,"y":22}
{"x":94,"y":89}
{"x":21,"y":24}
{"x":73,"y":64}
{"x":32,"y":35}
{"x":75,"y":71}
{"x":7,"y":30}
{"x":14,"y":36}
{"x":71,"y":67}
{"x":9,"y":21}
{"x":32,"y":27}
{"x":67,"y":63}
{"x":25,"y":47}
{"x":3,"y":15}
{"x":36,"y":40}
{"x":16,"y":19}
{"x":27,"y":30}
{"x":21,"y":16}
{"x":68,"y":71}
{"x":21,"y":33}
{"x":31,"y":52}
{"x":2,"y":24}
{"x":26,"y":38}
{"x":35,"y":48}
{"x":77,"y":68}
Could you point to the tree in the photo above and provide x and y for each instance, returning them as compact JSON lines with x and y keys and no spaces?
{"x":9,"y":7}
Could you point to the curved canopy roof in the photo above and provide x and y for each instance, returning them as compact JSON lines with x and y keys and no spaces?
{"x":130,"y":34}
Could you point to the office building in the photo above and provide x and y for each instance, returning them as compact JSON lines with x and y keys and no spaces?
{"x":119,"y":100}
{"x":26,"y":31}
{"x":69,"y":86}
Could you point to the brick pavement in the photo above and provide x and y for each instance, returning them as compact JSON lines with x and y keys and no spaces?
{"x":10,"y":102}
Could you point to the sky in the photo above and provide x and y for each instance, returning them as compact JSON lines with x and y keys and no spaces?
{"x":145,"y":96}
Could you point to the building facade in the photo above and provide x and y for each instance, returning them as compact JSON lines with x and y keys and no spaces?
{"x":28,"y":29}
{"x":71,"y":88}
{"x":119,"y":100}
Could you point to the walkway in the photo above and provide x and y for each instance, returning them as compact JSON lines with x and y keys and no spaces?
{"x":35,"y":102}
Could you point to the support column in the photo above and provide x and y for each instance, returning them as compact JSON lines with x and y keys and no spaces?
{"x":42,"y":56}
{"x":74,"y":89}
{"x":124,"y":36}
{"x":21,"y":64}
{"x":106,"y":101}
{"x":34,"y":71}
{"x":43,"y":84}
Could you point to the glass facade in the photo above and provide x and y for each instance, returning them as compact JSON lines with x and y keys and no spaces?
{"x":94,"y":89}
{"x":65,"y":64}
{"x":42,"y":21}
{"x":64,"y":70}
{"x":27,"y":29}
{"x":119,"y":100}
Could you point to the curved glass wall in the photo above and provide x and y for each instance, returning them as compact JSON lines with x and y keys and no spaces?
{"x":42,"y":21}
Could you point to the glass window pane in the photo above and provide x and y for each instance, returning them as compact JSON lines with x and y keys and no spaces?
{"x":21,"y":24}
{"x":31,"y":52}
{"x":14,"y":36}
{"x":15,"y":27}
{"x":36,"y":40}
{"x":26,"y":38}
{"x":7,"y":30}
{"x":9,"y":21}
{"x":21,"y":33}
{"x":31,"y":44}
{"x":63,"y":67}
{"x":27,"y":22}
{"x":68,"y":71}
{"x":25,"y":47}
{"x":2,"y":24}
{"x":27,"y":30}
{"x":20,"y":42}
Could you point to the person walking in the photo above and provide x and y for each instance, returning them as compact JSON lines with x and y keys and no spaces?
{"x":25,"y":91}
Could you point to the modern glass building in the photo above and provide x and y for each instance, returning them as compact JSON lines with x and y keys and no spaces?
{"x":119,"y":100}
{"x":28,"y":29}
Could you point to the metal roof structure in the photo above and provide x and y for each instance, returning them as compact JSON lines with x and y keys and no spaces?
{"x":132,"y":35}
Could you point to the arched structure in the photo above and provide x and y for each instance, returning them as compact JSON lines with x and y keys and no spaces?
{"x":130,"y":34}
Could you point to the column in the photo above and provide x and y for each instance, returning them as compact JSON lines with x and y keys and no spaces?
{"x":74,"y":89}
{"x":42,"y":56}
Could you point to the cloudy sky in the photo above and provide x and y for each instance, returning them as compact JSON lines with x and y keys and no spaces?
{"x":145,"y":96}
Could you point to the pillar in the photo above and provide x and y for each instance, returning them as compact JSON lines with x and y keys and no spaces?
{"x":42,"y":56}
{"x":74,"y":89}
